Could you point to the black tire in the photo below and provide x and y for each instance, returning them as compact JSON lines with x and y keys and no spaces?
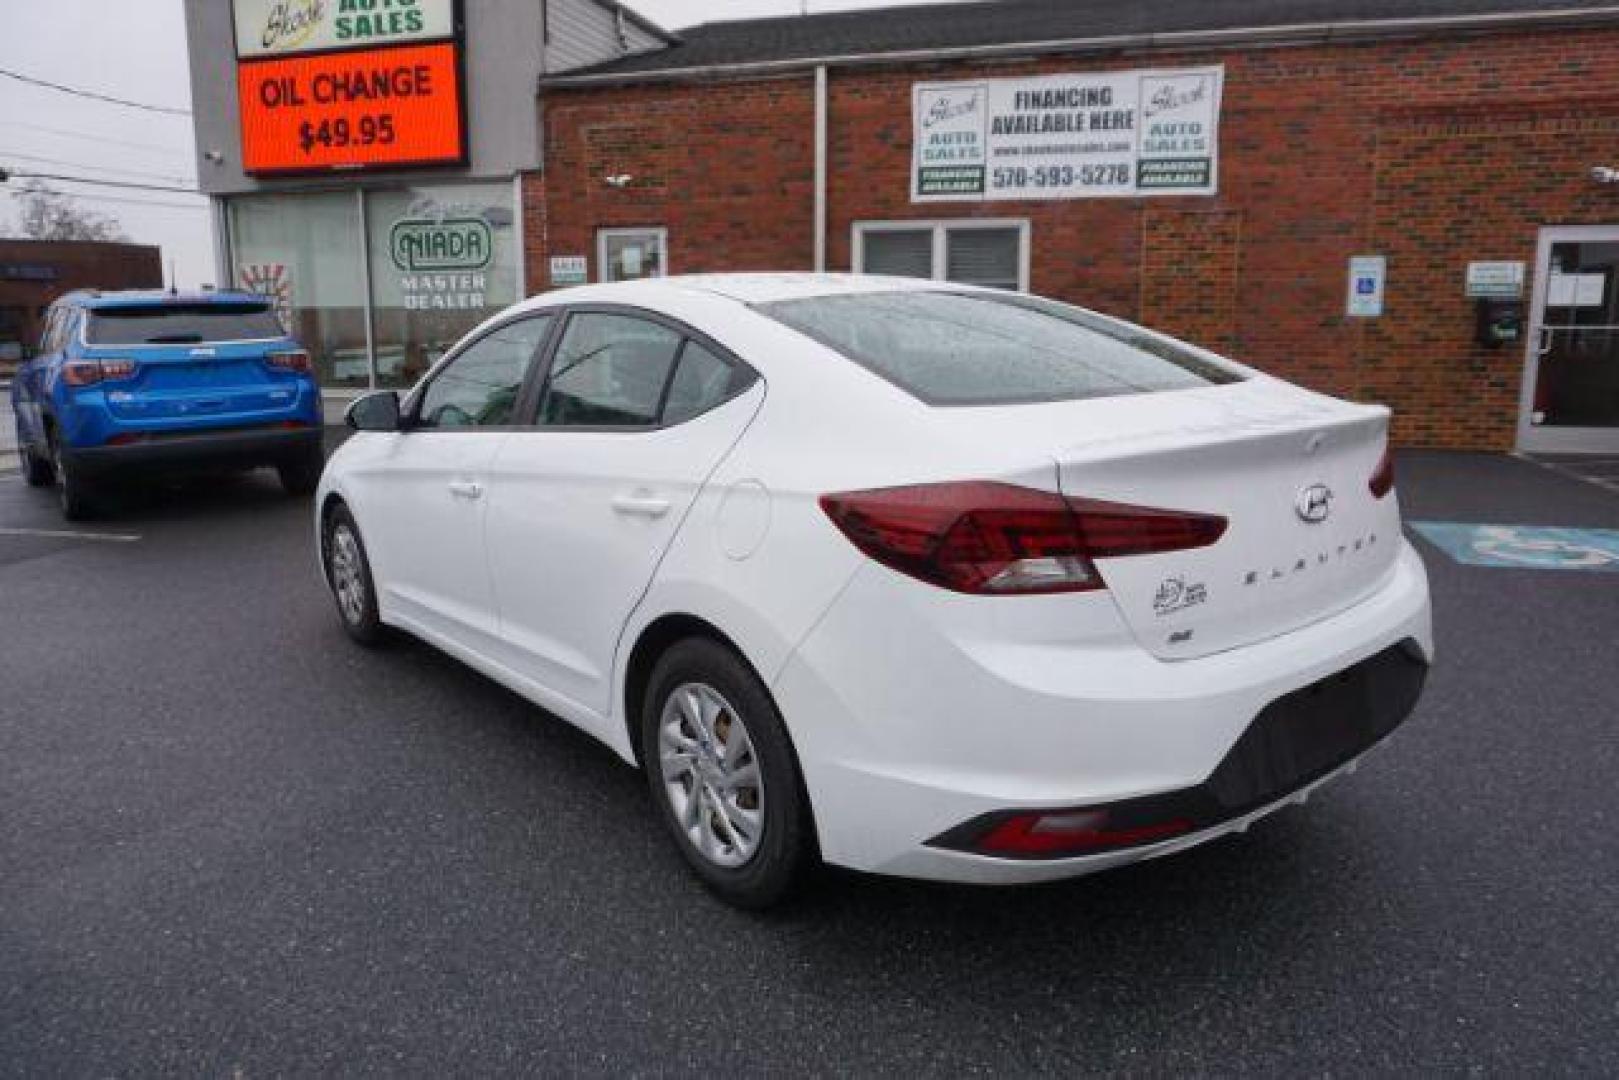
{"x":785,"y":847}
{"x":76,"y":494}
{"x":301,"y":475}
{"x":35,"y":469}
{"x":357,"y":612}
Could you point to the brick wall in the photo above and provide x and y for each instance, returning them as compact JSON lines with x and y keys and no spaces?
{"x":727,"y":168}
{"x":1432,"y":152}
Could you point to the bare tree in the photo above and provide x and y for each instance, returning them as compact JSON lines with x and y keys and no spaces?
{"x":47,"y":214}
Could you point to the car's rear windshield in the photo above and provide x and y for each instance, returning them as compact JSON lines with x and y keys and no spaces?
{"x":181,"y":324}
{"x":954,"y":348}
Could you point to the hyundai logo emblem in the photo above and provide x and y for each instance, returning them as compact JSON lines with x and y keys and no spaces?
{"x":1314,"y":504}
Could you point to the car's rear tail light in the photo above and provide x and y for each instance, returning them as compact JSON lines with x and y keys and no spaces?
{"x":998,"y":539}
{"x":290,"y":360}
{"x":90,"y":372}
{"x":1382,"y":481}
{"x":1072,"y":832}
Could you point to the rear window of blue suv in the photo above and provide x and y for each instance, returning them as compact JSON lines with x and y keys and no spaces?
{"x":181,"y":324}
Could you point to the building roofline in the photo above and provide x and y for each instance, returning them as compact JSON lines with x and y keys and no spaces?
{"x":1295,"y":34}
{"x":132,"y":245}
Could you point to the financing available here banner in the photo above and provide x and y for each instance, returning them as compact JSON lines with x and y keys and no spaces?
{"x":1095,"y":135}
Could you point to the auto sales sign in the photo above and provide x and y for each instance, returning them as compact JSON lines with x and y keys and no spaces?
{"x":349,"y":84}
{"x":1109,"y":134}
{"x":278,"y":27}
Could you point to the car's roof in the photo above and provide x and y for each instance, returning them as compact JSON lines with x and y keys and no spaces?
{"x":763,"y":288}
{"x":753,"y":288}
{"x":149,"y":297}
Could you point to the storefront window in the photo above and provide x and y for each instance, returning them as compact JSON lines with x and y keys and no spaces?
{"x":443,"y":258}
{"x":302,"y":251}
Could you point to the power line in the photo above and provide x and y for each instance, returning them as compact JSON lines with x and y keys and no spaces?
{"x":92,"y":165}
{"x":92,"y":137}
{"x":168,"y":110}
{"x":114,"y":199}
{"x":103,"y":183}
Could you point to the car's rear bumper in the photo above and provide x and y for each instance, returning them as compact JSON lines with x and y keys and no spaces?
{"x":907,"y":758}
{"x":195,"y":450}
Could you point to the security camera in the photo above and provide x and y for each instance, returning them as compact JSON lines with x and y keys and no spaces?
{"x":214,"y":157}
{"x":1603,"y":174}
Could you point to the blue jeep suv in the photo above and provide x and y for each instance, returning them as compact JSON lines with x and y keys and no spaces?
{"x":132,"y":382}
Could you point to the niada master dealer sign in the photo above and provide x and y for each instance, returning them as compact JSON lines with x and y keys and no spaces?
{"x":442,"y":261}
{"x":1108,"y":134}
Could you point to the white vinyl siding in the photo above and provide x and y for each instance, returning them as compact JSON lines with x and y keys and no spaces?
{"x":586,"y":32}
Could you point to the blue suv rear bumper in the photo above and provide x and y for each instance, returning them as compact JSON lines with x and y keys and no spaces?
{"x":193,"y":450}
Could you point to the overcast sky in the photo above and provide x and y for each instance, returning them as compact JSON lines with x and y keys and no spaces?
{"x":138,"y":51}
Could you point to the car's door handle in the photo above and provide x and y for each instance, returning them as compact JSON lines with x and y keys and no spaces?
{"x":642,"y":505}
{"x":466,"y":489}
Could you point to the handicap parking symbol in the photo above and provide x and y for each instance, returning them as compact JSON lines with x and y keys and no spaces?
{"x":1525,"y":547}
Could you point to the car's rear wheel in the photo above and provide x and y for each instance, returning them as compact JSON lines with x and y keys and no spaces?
{"x":35,"y":469}
{"x":301,"y":475}
{"x":348,"y":571}
{"x":76,"y":495}
{"x":724,"y":776}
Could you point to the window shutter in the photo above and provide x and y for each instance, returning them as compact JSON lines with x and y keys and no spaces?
{"x":982,"y":257}
{"x":903,"y":253}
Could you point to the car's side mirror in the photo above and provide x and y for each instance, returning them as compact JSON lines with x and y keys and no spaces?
{"x":374,"y":412}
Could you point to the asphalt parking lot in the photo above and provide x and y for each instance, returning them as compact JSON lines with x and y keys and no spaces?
{"x":231,"y":843}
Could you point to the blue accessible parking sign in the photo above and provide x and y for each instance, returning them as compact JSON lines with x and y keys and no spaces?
{"x":1525,"y":547}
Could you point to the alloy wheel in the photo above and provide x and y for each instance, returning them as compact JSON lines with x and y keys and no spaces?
{"x":711,"y":775}
{"x":348,"y":574}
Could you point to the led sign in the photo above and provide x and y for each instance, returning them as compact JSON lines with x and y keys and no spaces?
{"x":356,"y":109}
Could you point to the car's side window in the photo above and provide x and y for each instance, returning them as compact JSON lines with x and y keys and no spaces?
{"x":702,"y":380}
{"x":480,"y":386}
{"x":610,"y":370}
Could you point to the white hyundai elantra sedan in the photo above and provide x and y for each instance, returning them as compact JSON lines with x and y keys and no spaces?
{"x":909,"y":577}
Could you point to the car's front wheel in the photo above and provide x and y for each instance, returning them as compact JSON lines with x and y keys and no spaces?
{"x":348,"y":571}
{"x":724,"y":775}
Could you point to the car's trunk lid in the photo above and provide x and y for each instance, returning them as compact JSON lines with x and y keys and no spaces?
{"x":187,"y":382}
{"x":1289,"y":472}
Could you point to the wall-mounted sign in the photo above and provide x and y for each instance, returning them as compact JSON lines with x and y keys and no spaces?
{"x":569,"y":270}
{"x":1107,"y":134}
{"x":1495,"y":280}
{"x":1367,"y":277}
{"x":279,"y":27}
{"x":418,"y":244}
{"x":352,"y":110}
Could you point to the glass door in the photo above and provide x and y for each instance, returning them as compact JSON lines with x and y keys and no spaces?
{"x":1571,"y":391}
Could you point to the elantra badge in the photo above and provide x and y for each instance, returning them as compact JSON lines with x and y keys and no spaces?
{"x":1314,"y":504}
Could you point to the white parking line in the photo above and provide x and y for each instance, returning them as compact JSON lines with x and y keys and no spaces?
{"x":64,"y":534}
